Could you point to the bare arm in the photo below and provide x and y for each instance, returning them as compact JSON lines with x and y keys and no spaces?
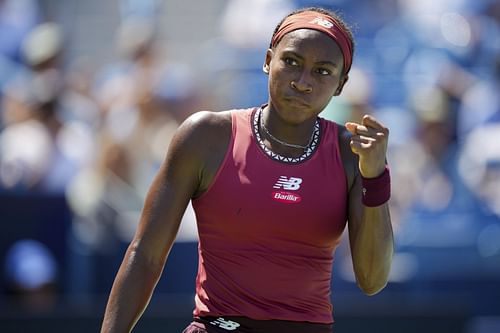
{"x":370,"y":228}
{"x":177,"y":181}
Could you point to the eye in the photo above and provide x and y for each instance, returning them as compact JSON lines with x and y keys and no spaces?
{"x":291,"y":61}
{"x":323,"y":71}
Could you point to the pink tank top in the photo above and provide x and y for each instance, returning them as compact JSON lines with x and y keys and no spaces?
{"x":268,"y":228}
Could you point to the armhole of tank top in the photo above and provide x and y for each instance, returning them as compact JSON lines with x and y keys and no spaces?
{"x":340,"y":156}
{"x":338,"y":139}
{"x":229,"y":151}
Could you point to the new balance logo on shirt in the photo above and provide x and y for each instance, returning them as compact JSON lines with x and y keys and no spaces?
{"x":286,"y":184}
{"x":291,"y":183}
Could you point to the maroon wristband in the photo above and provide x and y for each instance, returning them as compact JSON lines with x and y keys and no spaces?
{"x":377,"y":191}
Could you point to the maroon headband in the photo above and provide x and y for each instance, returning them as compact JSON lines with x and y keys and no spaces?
{"x":321,"y":22}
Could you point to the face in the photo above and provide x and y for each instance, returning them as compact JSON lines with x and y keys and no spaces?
{"x":305,"y":71}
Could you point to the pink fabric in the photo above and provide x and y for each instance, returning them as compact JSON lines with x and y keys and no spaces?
{"x":321,"y":22}
{"x":263,"y":257}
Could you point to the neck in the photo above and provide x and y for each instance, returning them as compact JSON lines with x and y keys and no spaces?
{"x":280,"y":140}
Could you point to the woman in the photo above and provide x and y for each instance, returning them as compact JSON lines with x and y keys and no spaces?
{"x":272,"y":188}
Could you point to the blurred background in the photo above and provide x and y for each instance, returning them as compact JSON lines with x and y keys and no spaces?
{"x":92,"y":91}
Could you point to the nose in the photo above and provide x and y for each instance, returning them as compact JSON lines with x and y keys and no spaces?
{"x":302,"y":84}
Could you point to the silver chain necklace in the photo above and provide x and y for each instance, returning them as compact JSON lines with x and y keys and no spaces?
{"x":286,"y":144}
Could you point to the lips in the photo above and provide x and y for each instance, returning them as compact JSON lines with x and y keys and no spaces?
{"x":297,"y":101}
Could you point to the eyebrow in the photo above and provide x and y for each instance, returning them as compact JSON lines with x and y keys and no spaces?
{"x":323,"y":63}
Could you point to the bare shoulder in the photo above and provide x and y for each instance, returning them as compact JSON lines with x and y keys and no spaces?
{"x":205,"y":136}
{"x":210,"y":118}
{"x":201,"y":131}
{"x":205,"y":124}
{"x":349,"y":159}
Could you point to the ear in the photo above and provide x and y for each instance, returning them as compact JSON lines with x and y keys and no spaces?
{"x":341,"y":85}
{"x":267,"y":62}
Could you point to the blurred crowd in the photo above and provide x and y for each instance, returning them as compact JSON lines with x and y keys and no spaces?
{"x":95,"y":135}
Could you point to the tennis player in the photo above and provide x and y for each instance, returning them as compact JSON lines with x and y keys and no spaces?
{"x":273,"y":188}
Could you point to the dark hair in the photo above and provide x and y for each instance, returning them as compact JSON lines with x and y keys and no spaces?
{"x":324,"y":11}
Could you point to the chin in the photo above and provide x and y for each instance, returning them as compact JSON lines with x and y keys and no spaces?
{"x":296,"y":116}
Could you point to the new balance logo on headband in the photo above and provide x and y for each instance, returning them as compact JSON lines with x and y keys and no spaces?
{"x":322,"y":22}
